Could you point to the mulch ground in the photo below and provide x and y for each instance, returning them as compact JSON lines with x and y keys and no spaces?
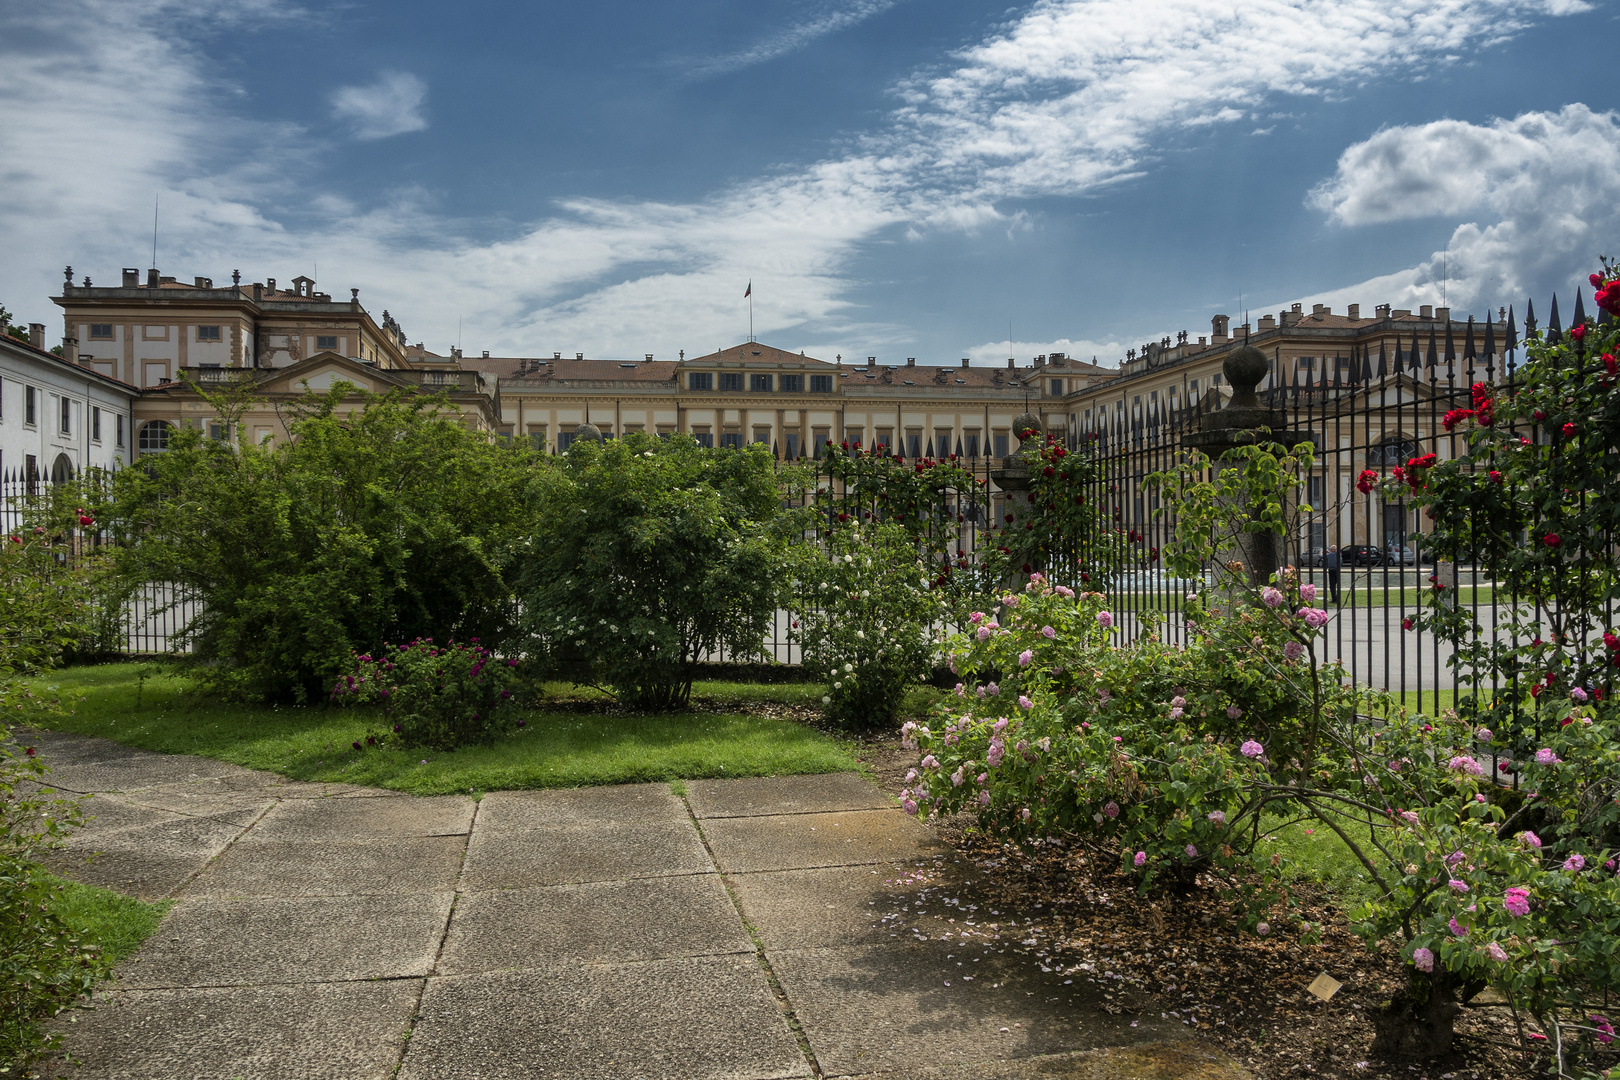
{"x":1178,"y":955}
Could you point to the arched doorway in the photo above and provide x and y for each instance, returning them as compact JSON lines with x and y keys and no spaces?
{"x":61,"y":469}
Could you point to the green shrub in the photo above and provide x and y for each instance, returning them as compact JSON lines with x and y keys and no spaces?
{"x":871,"y":618}
{"x":385,"y":523}
{"x":436,"y":697}
{"x":654,"y":553}
{"x":44,"y":966}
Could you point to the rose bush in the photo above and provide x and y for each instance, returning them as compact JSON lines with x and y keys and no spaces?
{"x":439,"y":697}
{"x":1181,"y":759}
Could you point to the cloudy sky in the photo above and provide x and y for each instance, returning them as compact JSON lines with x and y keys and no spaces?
{"x":929,"y":178}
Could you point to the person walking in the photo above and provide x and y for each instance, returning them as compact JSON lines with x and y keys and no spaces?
{"x":1331,"y":562}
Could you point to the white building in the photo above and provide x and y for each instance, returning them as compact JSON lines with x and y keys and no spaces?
{"x":58,"y":418}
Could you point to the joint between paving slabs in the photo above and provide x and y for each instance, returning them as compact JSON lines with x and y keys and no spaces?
{"x":195,"y":874}
{"x":782,"y":1003}
{"x":444,"y":935}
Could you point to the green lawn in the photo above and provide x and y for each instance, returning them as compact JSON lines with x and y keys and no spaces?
{"x":116,"y":923}
{"x":558,"y":746}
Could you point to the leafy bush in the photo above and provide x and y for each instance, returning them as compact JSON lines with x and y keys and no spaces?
{"x":385,"y":523}
{"x":871,"y":616}
{"x":654,"y":553}
{"x":44,"y":966}
{"x":437,"y":697}
{"x":45,"y":610}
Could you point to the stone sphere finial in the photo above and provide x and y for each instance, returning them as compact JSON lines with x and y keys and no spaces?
{"x":1245,"y":366}
{"x":1028,"y":422}
{"x":588,"y":431}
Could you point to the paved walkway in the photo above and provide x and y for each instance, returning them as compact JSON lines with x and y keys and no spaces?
{"x":752,"y":929}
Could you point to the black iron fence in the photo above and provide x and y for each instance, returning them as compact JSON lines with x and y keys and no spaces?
{"x":139,"y":620}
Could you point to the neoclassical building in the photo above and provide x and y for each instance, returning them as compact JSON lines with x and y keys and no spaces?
{"x":147,"y":331}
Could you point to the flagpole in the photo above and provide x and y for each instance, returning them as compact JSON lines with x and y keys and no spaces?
{"x":750,"y":314}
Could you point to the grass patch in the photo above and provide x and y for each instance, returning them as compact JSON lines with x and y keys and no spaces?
{"x":115,"y":923}
{"x":1313,"y":852}
{"x":556,"y":748}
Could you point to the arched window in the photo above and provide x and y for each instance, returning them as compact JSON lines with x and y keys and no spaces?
{"x":1396,"y":450}
{"x":61,"y":469}
{"x":154,"y":438}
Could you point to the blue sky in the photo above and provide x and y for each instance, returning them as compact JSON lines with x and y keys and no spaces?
{"x":896,"y":177}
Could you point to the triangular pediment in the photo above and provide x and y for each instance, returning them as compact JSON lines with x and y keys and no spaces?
{"x":322,"y":371}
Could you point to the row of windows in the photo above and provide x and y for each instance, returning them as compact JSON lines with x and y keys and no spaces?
{"x":64,"y":416}
{"x":104,"y":331}
{"x":758,"y":382}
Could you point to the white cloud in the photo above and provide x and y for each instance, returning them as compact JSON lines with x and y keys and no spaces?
{"x":790,"y":39}
{"x":392,"y":105}
{"x":1067,"y":99}
{"x":1544,"y":188}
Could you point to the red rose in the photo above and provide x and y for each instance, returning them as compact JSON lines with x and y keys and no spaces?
{"x":1578,"y":332}
{"x":1538,"y":415}
{"x":1609,"y":364}
{"x":1569,"y":431}
{"x":1406,"y":623}
{"x":1048,"y":471}
{"x":1552,"y":540}
{"x":1455,"y":417}
{"x":86,"y":520}
{"x":1496,"y":477}
{"x":31,"y":751}
{"x":1596,"y":280}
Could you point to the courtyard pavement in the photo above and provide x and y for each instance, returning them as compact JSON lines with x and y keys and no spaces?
{"x":752,"y":929}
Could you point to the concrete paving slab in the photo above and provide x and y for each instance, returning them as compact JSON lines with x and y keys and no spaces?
{"x":258,"y":782}
{"x":606,"y":922}
{"x":700,"y":1018}
{"x":214,"y":941}
{"x":145,"y":861}
{"x":758,"y":796}
{"x":341,"y":820}
{"x":59,"y":747}
{"x":869,"y":1008}
{"x":331,"y":1031}
{"x":1180,"y":1060}
{"x":518,"y":811}
{"x":396,"y":865}
{"x":574,"y":854}
{"x":851,"y":905}
{"x":802,"y":841}
{"x":107,"y":813}
{"x":135,"y":772}
{"x":193,"y":800}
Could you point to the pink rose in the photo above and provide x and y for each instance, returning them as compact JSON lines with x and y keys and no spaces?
{"x":1423,"y":959}
{"x":1272,"y":597}
{"x":1110,"y":809}
{"x":1251,"y":749}
{"x":1307,"y":592}
{"x":1516,"y":902}
{"x":1141,"y":857}
{"x":1105,"y":619}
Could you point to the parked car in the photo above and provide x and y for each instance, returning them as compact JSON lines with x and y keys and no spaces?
{"x":1400,"y":555}
{"x":1361,"y":555}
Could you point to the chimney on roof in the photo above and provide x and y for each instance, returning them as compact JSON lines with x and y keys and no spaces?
{"x":1040,"y":361}
{"x":1321,"y":309}
{"x":258,"y":291}
{"x":270,"y":285}
{"x":70,"y":342}
{"x":1353,"y":311}
{"x":36,"y":334}
{"x":556,"y":356}
{"x":911,"y":361}
{"x":579,"y":356}
{"x":1381,"y":311}
{"x":649,"y":357}
{"x":1009,"y":363}
{"x":1218,"y":325}
{"x":964,"y":361}
{"x":871,"y":361}
{"x":1426,"y":311}
{"x":1442,"y":314}
{"x":152,"y":278}
{"x":486,"y":354}
{"x":132,"y":278}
